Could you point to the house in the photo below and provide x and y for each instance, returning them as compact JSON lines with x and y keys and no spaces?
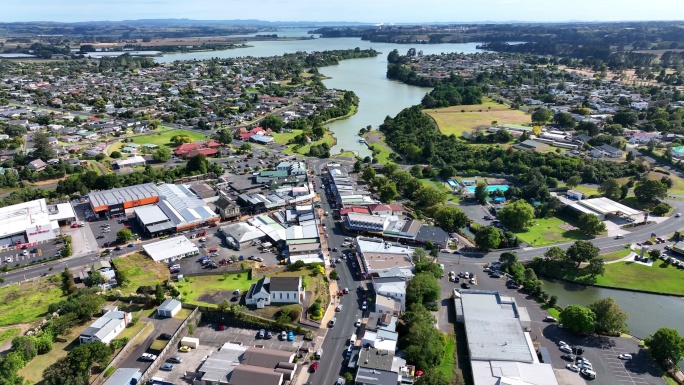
{"x":169,"y":308}
{"x":37,"y":165}
{"x":275,"y":290}
{"x":639,"y":105}
{"x":436,"y":235}
{"x":641,"y":137}
{"x":105,"y":268}
{"x":386,"y":210}
{"x":227,"y":208}
{"x":611,"y":151}
{"x":531,"y":145}
{"x":677,"y":152}
{"x":131,"y":161}
{"x":106,"y":328}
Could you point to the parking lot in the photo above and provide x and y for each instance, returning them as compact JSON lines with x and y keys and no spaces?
{"x":191,"y":362}
{"x":209,"y":335}
{"x":474,"y":211}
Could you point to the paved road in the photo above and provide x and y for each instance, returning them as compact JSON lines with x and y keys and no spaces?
{"x":336,"y":339}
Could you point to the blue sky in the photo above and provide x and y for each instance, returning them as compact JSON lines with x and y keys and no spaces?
{"x":373,"y":11}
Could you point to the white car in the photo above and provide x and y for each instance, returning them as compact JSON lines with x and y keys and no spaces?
{"x":358,"y":322}
{"x":585,"y":365}
{"x":625,"y":356}
{"x":565,"y":348}
{"x":572,"y":368}
{"x":8,"y":259}
{"x":561,"y":343}
{"x":364,"y":306}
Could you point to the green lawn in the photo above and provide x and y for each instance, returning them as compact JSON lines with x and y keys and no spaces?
{"x":141,"y":271}
{"x":284,"y":137}
{"x":8,"y":334}
{"x":659,"y":278}
{"x":458,"y":119}
{"x":328,"y":138}
{"x":383,"y":151}
{"x":441,"y":187}
{"x":195,"y":287}
{"x":548,"y":231}
{"x":164,"y":138}
{"x":588,"y":191}
{"x":313,"y":283}
{"x":448,"y":364}
{"x":27,"y":302}
{"x":614,"y":256}
{"x":130,"y":332}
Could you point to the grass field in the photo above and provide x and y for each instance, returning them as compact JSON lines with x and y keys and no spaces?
{"x":141,"y":271}
{"x":28,"y":302}
{"x":659,"y":278}
{"x":284,"y":137}
{"x":8,"y":334}
{"x":377,"y":141}
{"x":33,"y":371}
{"x":448,"y":365}
{"x":614,"y":256}
{"x":451,"y":120}
{"x":195,"y":287}
{"x":164,"y":138}
{"x":547,"y":231}
{"x":328,"y":138}
{"x":441,"y":187}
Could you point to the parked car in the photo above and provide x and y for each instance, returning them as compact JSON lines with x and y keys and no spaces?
{"x":269,"y":335}
{"x":166,"y":367}
{"x":175,"y":359}
{"x":313,"y":367}
{"x":572,"y":368}
{"x":165,"y":336}
{"x":184,"y":349}
{"x":283,"y":335}
{"x":565,"y":349}
{"x":585,"y":365}
{"x":148,"y":357}
{"x":290,"y":336}
{"x":588,"y":373}
{"x":358,"y":322}
{"x":131,"y":245}
{"x":568,"y":357}
{"x":550,"y":319}
{"x":339,"y":307}
{"x":561,"y":343}
{"x":625,"y":356}
{"x":364,"y":306}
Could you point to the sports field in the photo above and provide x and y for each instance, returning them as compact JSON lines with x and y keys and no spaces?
{"x":451,"y":120}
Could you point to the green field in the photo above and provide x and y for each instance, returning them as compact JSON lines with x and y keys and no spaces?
{"x":659,"y":278}
{"x":614,"y":256}
{"x":328,"y":138}
{"x":141,"y":271}
{"x":448,"y":364}
{"x":8,"y":334}
{"x":27,"y":302}
{"x":284,"y":137}
{"x":451,"y":120}
{"x":377,"y":141}
{"x":194,"y":287}
{"x":164,"y":138}
{"x":547,"y":231}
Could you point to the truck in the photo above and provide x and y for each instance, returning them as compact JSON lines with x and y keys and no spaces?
{"x":190,"y":342}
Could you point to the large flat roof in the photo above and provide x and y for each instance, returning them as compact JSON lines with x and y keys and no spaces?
{"x":607,"y":206}
{"x":150,"y":214}
{"x":169,"y":248}
{"x":123,"y":194}
{"x":23,"y":216}
{"x":493,"y":328}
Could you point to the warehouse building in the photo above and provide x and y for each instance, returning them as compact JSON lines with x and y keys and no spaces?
{"x":171,"y":249}
{"x":34,"y":221}
{"x":602,"y":208}
{"x":153,"y":220}
{"x":116,"y":201}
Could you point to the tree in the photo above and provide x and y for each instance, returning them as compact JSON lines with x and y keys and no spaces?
{"x":124,"y":235}
{"x":610,"y":188}
{"x":368,"y":174}
{"x":357,"y":166}
{"x":489,"y":238}
{"x":159,"y":294}
{"x":274,"y":122}
{"x":654,"y":254}
{"x":419,"y":255}
{"x":387,"y":192}
{"x":431,"y":268}
{"x":596,"y":266}
{"x":423,"y":288}
{"x":177,"y":140}
{"x":224,"y":136}
{"x":649,"y":191}
{"x":95,"y":278}
{"x":434,"y":377}
{"x":578,"y":319}
{"x":564,"y":120}
{"x":450,"y":218}
{"x":68,"y":285}
{"x":334,"y":275}
{"x":389,"y":169}
{"x":115,"y":155}
{"x":582,"y":251}
{"x":61,"y":373}
{"x":42,"y":149}
{"x":590,"y":224}
{"x":481,"y":192}
{"x":162,"y":154}
{"x":610,"y":319}
{"x":542,"y":115}
{"x":573,"y":181}
{"x":666,"y":346}
{"x":197,"y":164}
{"x":427,"y":196}
{"x":555,"y":254}
{"x":25,"y":346}
{"x":625,"y":118}
{"x":517,"y":216}
{"x":508,"y":259}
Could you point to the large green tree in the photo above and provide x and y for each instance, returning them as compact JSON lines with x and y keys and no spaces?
{"x":427,"y":196}
{"x":368,"y":174}
{"x":590,"y":224}
{"x":542,"y":115}
{"x":198,"y":164}
{"x":610,"y":319}
{"x":649,"y":191}
{"x":162,"y":154}
{"x":124,"y":235}
{"x":274,"y":122}
{"x":578,"y":319}
{"x":489,"y":238}
{"x":582,"y":251}
{"x":423,"y":288}
{"x":224,"y":136}
{"x":666,"y":345}
{"x":387,"y":192}
{"x":596,"y":266}
{"x":42,"y":149}
{"x":481,"y":192}
{"x":450,"y":218}
{"x":517,"y":216}
{"x":611,"y":189}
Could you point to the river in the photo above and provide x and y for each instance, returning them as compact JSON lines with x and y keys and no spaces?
{"x":379,"y":97}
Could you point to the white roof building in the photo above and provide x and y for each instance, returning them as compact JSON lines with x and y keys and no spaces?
{"x":34,"y":220}
{"x":170,"y":249}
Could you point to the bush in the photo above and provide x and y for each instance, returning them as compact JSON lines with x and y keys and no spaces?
{"x":661,"y":209}
{"x":134,"y":321}
{"x":119,"y":343}
{"x":191,"y":329}
{"x":109,"y":371}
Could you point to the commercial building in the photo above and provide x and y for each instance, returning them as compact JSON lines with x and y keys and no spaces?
{"x":239,"y":365}
{"x":169,"y":308}
{"x":376,"y":256}
{"x":601,"y":207}
{"x":131,"y":161}
{"x":34,"y":221}
{"x":124,"y":376}
{"x":106,"y":328}
{"x":171,"y":249}
{"x":500,"y":350}
{"x":185,"y":209}
{"x":116,"y":201}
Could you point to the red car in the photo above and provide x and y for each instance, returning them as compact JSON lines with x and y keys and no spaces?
{"x":220,"y":327}
{"x":340,"y":293}
{"x":213,"y":250}
{"x":313,"y":367}
{"x":127,"y":226}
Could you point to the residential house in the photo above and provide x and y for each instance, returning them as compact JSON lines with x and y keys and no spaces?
{"x":611,"y":151}
{"x":275,"y":290}
{"x":642,"y":137}
{"x":227,"y":208}
{"x":106,"y":328}
{"x":37,"y":165}
{"x":639,"y":105}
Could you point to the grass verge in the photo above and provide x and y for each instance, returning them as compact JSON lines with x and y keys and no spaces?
{"x":193,"y":289}
{"x":141,"y":271}
{"x":27,"y":302}
{"x":8,"y":334}
{"x":448,"y":365}
{"x":614,"y":256}
{"x":549,"y":231}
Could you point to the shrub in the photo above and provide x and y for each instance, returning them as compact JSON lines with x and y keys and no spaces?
{"x":134,"y":321}
{"x":109,"y":370}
